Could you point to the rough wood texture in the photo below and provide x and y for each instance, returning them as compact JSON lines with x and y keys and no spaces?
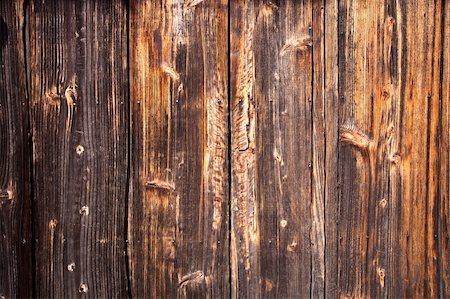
{"x":331,"y":116}
{"x":277,"y":217}
{"x":389,"y":162}
{"x":229,"y":148}
{"x":15,"y":230}
{"x":443,"y":210}
{"x":79,"y":103}
{"x":338,"y":146}
{"x":178,"y":209}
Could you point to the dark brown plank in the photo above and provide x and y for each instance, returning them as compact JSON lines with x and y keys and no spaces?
{"x":80,"y":135}
{"x":178,"y":212}
{"x":15,"y":201}
{"x":277,"y":187}
{"x":389,"y":112}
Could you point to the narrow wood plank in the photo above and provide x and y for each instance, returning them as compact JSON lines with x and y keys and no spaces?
{"x":178,"y":212}
{"x":318,"y":150}
{"x":331,"y":187}
{"x":80,"y":136}
{"x":277,"y":217}
{"x":15,"y":201}
{"x":444,"y":162}
{"x":244,"y":251}
{"x":389,"y":120}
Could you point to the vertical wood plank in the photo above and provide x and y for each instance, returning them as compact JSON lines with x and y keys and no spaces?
{"x":365,"y":87}
{"x":15,"y":202}
{"x":444,"y":162}
{"x":80,"y":136}
{"x":331,"y":198}
{"x":178,"y":212}
{"x":388,"y":155}
{"x":244,"y":251}
{"x":318,"y":150}
{"x":277,"y":217}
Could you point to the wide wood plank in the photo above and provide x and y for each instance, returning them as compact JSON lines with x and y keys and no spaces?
{"x":277,"y":186}
{"x":15,"y":201}
{"x":79,"y":96}
{"x":178,"y":211}
{"x":389,"y":114}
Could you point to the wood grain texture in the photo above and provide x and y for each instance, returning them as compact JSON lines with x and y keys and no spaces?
{"x":331,"y":185}
{"x":178,"y":211}
{"x":277,"y":187}
{"x":15,"y":213}
{"x":79,"y":103}
{"x":318,"y":151}
{"x":390,"y":111}
{"x":373,"y":216}
{"x":443,"y":209}
{"x":229,"y":148}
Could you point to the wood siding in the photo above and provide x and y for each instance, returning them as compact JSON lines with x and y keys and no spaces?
{"x":224,"y":149}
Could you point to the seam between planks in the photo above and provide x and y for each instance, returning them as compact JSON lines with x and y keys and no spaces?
{"x":229,"y":152}
{"x":129,"y":152}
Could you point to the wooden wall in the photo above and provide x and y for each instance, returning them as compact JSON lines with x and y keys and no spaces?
{"x":215,"y":149}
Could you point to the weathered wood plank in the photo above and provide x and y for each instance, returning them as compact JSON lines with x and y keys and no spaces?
{"x":318,"y":150}
{"x":363,"y":121}
{"x":276,"y":214}
{"x":79,"y":96}
{"x":15,"y":201}
{"x":389,"y":65}
{"x":178,"y":212}
{"x":331,"y":197}
{"x":244,"y":253}
{"x":443,"y":210}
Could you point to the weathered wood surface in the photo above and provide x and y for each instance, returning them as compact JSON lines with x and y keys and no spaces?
{"x":79,"y":118}
{"x":274,"y":215}
{"x":442,"y":212}
{"x":15,"y":203}
{"x":200,"y":148}
{"x":178,"y":204}
{"x":339,"y":159}
{"x":390,"y":114}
